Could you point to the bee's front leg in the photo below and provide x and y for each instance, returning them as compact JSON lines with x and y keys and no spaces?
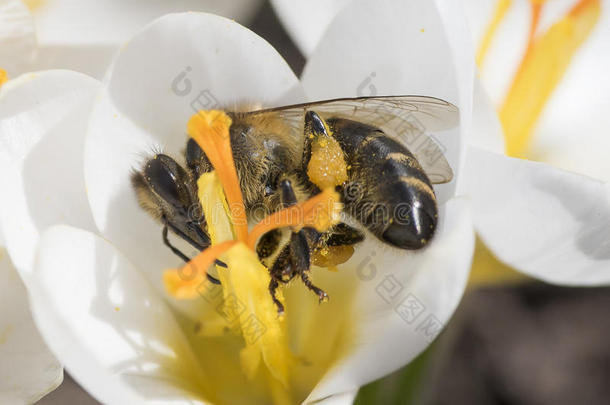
{"x":184,"y":257}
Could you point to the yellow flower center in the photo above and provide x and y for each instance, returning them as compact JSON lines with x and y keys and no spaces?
{"x":248,"y":309}
{"x":544,"y":63}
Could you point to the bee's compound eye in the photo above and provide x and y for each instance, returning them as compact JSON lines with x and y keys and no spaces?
{"x":193,"y":153}
{"x":164,"y":176}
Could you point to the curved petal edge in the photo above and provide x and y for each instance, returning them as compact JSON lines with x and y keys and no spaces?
{"x":548,"y":223}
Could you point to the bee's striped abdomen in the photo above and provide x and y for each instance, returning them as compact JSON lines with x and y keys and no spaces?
{"x":387,"y":189}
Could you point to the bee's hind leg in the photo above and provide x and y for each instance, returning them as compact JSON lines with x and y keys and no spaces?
{"x":295,"y":259}
{"x":322,"y":296}
{"x":301,"y":261}
{"x":343,"y":234}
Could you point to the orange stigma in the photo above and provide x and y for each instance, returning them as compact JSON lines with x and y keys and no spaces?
{"x":210,"y":129}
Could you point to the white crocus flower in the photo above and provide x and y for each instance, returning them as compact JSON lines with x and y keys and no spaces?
{"x":96,"y":291}
{"x":83,"y":35}
{"x":543,"y":64}
{"x":558,"y":220}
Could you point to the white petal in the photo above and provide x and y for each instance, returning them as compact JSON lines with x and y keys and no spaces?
{"x":462,"y":57}
{"x":479,"y":14}
{"x":550,"y":224}
{"x":83,"y":35}
{"x":17,"y":38}
{"x":107,"y":325}
{"x":508,"y":45}
{"x":573,"y":129}
{"x":92,"y":60}
{"x":403,"y":302}
{"x":179,"y":64}
{"x":407,"y":47}
{"x":486,"y":128}
{"x":89,"y":22}
{"x":28,"y":370}
{"x":385,"y":58}
{"x":306,"y":21}
{"x":43,"y":118}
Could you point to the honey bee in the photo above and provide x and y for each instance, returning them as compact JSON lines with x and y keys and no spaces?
{"x":384,"y":171}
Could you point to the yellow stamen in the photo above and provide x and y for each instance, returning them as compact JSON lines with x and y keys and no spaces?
{"x":3,"y":77}
{"x":501,"y":9}
{"x":210,"y":129}
{"x":319,"y":212}
{"x":246,"y":292}
{"x":543,"y":66}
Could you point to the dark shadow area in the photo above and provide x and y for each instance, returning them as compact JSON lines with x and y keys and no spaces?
{"x":267,"y":25}
{"x":68,"y":393}
{"x":533,"y":344}
{"x":593,"y":241}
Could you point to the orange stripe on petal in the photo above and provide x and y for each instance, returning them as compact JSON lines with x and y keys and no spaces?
{"x":210,"y":129}
{"x":544,"y":64}
{"x":501,"y":9}
{"x":536,"y":10}
{"x":3,"y":77}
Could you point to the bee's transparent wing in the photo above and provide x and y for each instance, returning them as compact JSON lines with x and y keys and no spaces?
{"x":404,"y":118}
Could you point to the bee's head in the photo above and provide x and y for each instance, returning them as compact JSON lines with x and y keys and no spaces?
{"x":168,"y":193}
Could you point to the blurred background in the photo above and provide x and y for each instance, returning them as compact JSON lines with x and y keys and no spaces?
{"x":511,"y":341}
